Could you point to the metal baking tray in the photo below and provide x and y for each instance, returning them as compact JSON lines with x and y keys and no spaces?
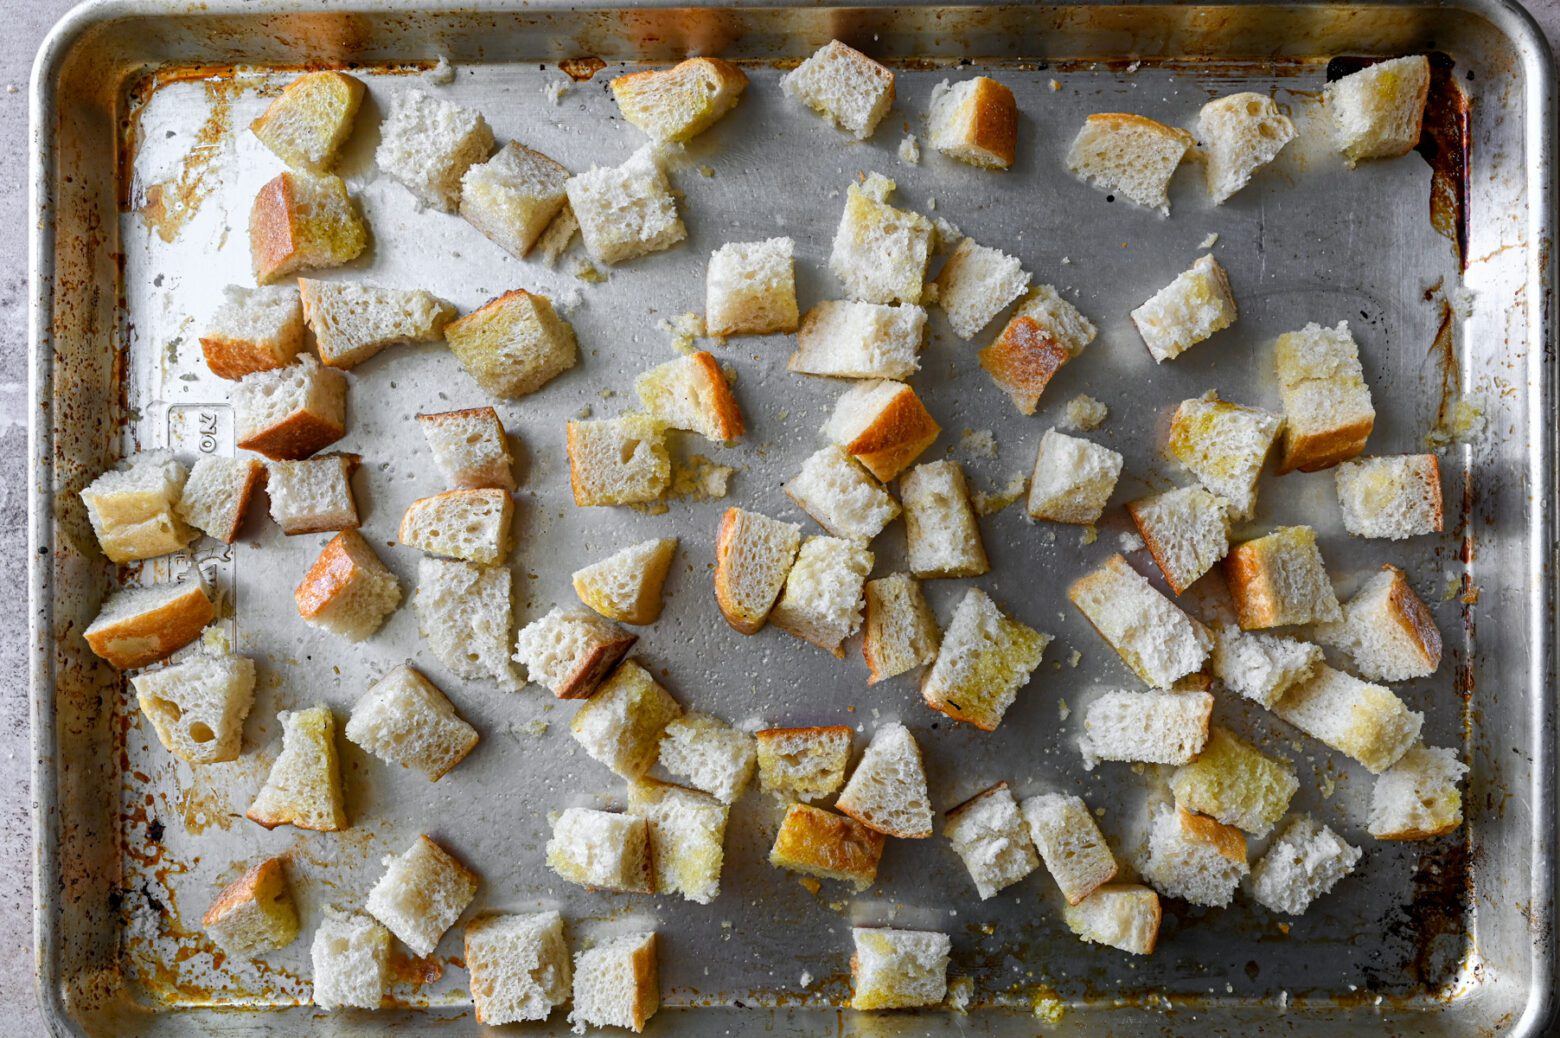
{"x":142,"y":176}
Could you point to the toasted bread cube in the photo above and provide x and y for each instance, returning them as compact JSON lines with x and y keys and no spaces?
{"x":428,"y":144}
{"x":1070,"y":843}
{"x":883,"y":425}
{"x":821,"y":602}
{"x":348,"y":591}
{"x":460,"y":524}
{"x":803,"y":763}
{"x":1391,"y":497}
{"x":942,"y":534}
{"x":352,"y":320}
{"x":465,"y":613}
{"x":571,"y":651}
{"x":709,"y":755}
{"x":292,"y":412}
{"x":513,"y":196}
{"x":842,"y":496}
{"x":351,"y":954}
{"x":1261,"y":667}
{"x":750,"y":288}
{"x":255,"y":329}
{"x":880,"y":252}
{"x":1359,"y":720}
{"x":1145,"y":727}
{"x":1240,"y":134}
{"x":976,"y":284}
{"x":303,"y":222}
{"x":198,"y":705}
{"x":1236,"y":783}
{"x":1043,"y":334}
{"x":423,"y":891}
{"x":1186,"y":311}
{"x":602,"y":850}
{"x":820,"y":843}
{"x":134,"y":508}
{"x":470,"y":448}
{"x":1159,"y":642}
{"x":313,"y":495}
{"x":626,"y":586}
{"x":1129,"y":155}
{"x":618,"y":461}
{"x":626,"y":211}
{"x":846,"y":339}
{"x":974,"y":121}
{"x":616,"y":984}
{"x":1280,"y":580}
{"x":217,"y":494}
{"x":1378,"y":110}
{"x":887,"y":791}
{"x":753,"y":556}
{"x":513,"y":345}
{"x":1225,"y":446}
{"x":1073,"y":479}
{"x":687,"y":838}
{"x":1195,"y":858}
{"x":136,"y":627}
{"x":984,"y":659}
{"x":621,"y":725}
{"x":900,"y":631}
{"x":1386,"y":630}
{"x":1123,"y":916}
{"x":404,"y":719}
{"x":1328,"y":414}
{"x":681,"y":102}
{"x":1305,"y":862}
{"x":989,"y":834}
{"x":303,"y":788}
{"x":1417,"y":798}
{"x":898,"y":969}
{"x":312,"y":118}
{"x":519,"y":967}
{"x":844,"y":86}
{"x":1186,"y":530}
{"x":691,"y":393}
{"x":254,"y":914}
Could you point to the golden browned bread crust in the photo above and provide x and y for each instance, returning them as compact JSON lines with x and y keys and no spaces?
{"x":145,"y":638}
{"x":295,"y":437}
{"x":898,"y":435}
{"x":728,"y":414}
{"x":331,"y":573}
{"x":994,"y":129}
{"x":242,"y":890}
{"x":234,"y":358}
{"x":725,"y":595}
{"x":273,"y":238}
{"x":826,"y":844}
{"x":1246,"y":573}
{"x":593,"y":669}
{"x":1229,"y":841}
{"x":1413,"y":617}
{"x":1325,"y":449}
{"x":1023,"y":360}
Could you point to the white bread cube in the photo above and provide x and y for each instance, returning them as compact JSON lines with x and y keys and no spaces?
{"x":1159,"y":642}
{"x":1123,"y":916}
{"x":303,"y":788}
{"x":626,"y":211}
{"x":820,"y":843}
{"x":750,"y":288}
{"x":255,"y":329}
{"x":348,"y":591}
{"x":976,"y":284}
{"x":821,"y":602}
{"x":618,"y":461}
{"x":753,"y":556}
{"x":616,"y":984}
{"x":1073,"y":479}
{"x":137,"y":626}
{"x":692,"y":393}
{"x":518,"y":965}
{"x":351,"y":956}
{"x":1261,"y":667}
{"x":428,"y":143}
{"x":847,"y":339}
{"x":311,"y":119}
{"x":404,"y":719}
{"x":291,"y":412}
{"x":1224,"y":446}
{"x":513,"y":345}
{"x":1129,"y":155}
{"x":1240,"y":134}
{"x":423,"y":891}
{"x":300,"y":221}
{"x":352,"y":320}
{"x":887,"y":791}
{"x":1328,"y":414}
{"x":844,"y":86}
{"x":880,"y":252}
{"x":198,"y":705}
{"x":1236,"y":783}
{"x":898,"y":969}
{"x":1417,"y":798}
{"x":687,"y":837}
{"x":1363,"y":721}
{"x":989,"y":834}
{"x":571,"y":651}
{"x":1280,"y":580}
{"x":900,"y":632}
{"x":709,"y":755}
{"x":602,"y":850}
{"x":470,"y":447}
{"x":217,"y":494}
{"x":626,"y":586}
{"x":681,"y":102}
{"x":621,"y":725}
{"x":1070,"y":843}
{"x":254,"y":914}
{"x":1386,"y":630}
{"x":1145,"y":727}
{"x":313,"y":495}
{"x":464,"y":612}
{"x":1186,"y":530}
{"x":1392,"y":497}
{"x":942,"y":533}
{"x":803,"y":763}
{"x":1305,"y":862}
{"x":1045,"y":332}
{"x":883,"y":425}
{"x":1195,"y":858}
{"x":513,"y":196}
{"x":134,"y":508}
{"x":1377,"y":111}
{"x":984,"y":659}
{"x":842,"y":496}
{"x":460,"y":524}
{"x":1186,"y":311}
{"x":974,"y":121}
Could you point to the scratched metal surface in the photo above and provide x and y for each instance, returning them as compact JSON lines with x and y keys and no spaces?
{"x":1433,"y":938}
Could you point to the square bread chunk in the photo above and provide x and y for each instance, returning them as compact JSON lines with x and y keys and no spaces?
{"x":571,"y":651}
{"x":513,"y":196}
{"x":1236,"y":783}
{"x":898,"y":969}
{"x":1261,"y":667}
{"x":692,"y":393}
{"x":137,"y":626}
{"x":1070,"y":843}
{"x":820,"y":843}
{"x":352,"y":320}
{"x":821,"y":602}
{"x":1194,"y":858}
{"x":974,"y":121}
{"x":1280,"y":580}
{"x":404,"y":719}
{"x":460,"y":524}
{"x":254,"y":914}
{"x":216,"y":496}
{"x":708,"y":754}
{"x":421,"y":894}
{"x":844,"y":86}
{"x":351,"y":956}
{"x":681,"y":102}
{"x":134,"y":507}
{"x":1224,"y":446}
{"x":312,"y":118}
{"x":1305,"y":862}
{"x":1359,"y":720}
{"x":626,"y":586}
{"x":1145,"y":727}
{"x":985,"y":658}
{"x":303,"y":788}
{"x":1418,"y":797}
{"x":900,"y":632}
{"x":1392,"y":497}
{"x":1386,"y":630}
{"x":519,"y":966}
{"x":464,"y":612}
{"x":880,"y":252}
{"x":313,"y":495}
{"x":616,"y":984}
{"x":513,"y":345}
{"x":1377,"y":111}
{"x":803,"y":763}
{"x":428,"y":143}
{"x":847,"y":339}
{"x":300,"y":221}
{"x":197,"y":706}
{"x":750,"y":288}
{"x":942,"y":533}
{"x":255,"y":329}
{"x":626,"y":211}
{"x":1129,"y":155}
{"x":618,"y":461}
{"x":1045,"y":332}
{"x":291,"y":412}
{"x":887,"y":791}
{"x":602,"y":850}
{"x":621,"y":725}
{"x":1328,"y":414}
{"x":883,"y":425}
{"x":470,"y":447}
{"x":1159,"y":642}
{"x":1124,"y":916}
{"x":841,"y":496}
{"x":1186,"y":530}
{"x":1240,"y":134}
{"x":976,"y":284}
{"x":989,"y":834}
{"x":687,"y":837}
{"x":753,"y":556}
{"x":348,"y":591}
{"x":1073,"y":479}
{"x":1186,"y":311}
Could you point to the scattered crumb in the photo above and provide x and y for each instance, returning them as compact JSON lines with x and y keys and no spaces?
{"x":910,"y":150}
{"x":587,"y":272}
{"x":1210,"y":241}
{"x":684,"y":329}
{"x":1453,"y":587}
{"x":948,"y":234}
{"x":584,"y":412}
{"x":1084,"y":413}
{"x":837,"y":906}
{"x":1329,"y":786}
{"x":606,"y":392}
{"x":1461,"y":299}
{"x":215,"y":640}
{"x":1055,"y":85}
{"x":1130,"y":541}
{"x":536,"y":726}
{"x":1066,"y":261}
{"x":811,"y":885}
{"x":1048,"y":1009}
{"x":570,"y":300}
{"x":987,"y":504}
{"x":977,"y":443}
{"x":806,"y":978}
{"x":442,"y":73}
{"x":1134,"y":66}
{"x":931,"y":203}
{"x":555,"y":240}
{"x":1063,"y":711}
{"x":554,"y":89}
{"x":1466,"y":421}
{"x":700,"y":478}
{"x":960,"y":990}
{"x":1088,"y":535}
{"x":706,"y":170}
{"x":1074,"y":658}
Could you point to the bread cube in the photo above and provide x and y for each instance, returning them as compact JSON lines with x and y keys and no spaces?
{"x":621,"y":725}
{"x":820,"y":843}
{"x":1186,"y":530}
{"x":1359,"y":720}
{"x":1377,"y":111}
{"x":753,"y":556}
{"x":571,"y":651}
{"x":351,"y":955}
{"x":681,"y":102}
{"x":1240,"y":134}
{"x":217,"y":493}
{"x":292,"y":412}
{"x":887,"y":791}
{"x":300,"y":221}
{"x":883,"y":425}
{"x":404,"y":719}
{"x":460,"y":524}
{"x":626,"y":586}
{"x":1279,"y":580}
{"x":513,"y":196}
{"x":1305,"y":862}
{"x":615,"y":984}
{"x":1224,"y":446}
{"x":941,"y":530}
{"x":844,"y":86}
{"x":1417,"y":798}
{"x":687,"y":837}
{"x":974,"y":121}
{"x":880,"y":252}
{"x":1070,"y":843}
{"x":197,"y":706}
{"x":1391,"y":497}
{"x":1129,"y":155}
{"x":464,"y":612}
{"x":428,"y":144}
{"x":1073,"y":479}
{"x":626,"y":211}
{"x":989,"y":834}
{"x":134,"y":508}
{"x":254,"y":914}
{"x":984,"y":659}
{"x":423,"y":891}
{"x":255,"y":329}
{"x":352,"y":320}
{"x":1123,"y":916}
{"x":618,"y":461}
{"x":900,"y":632}
{"x":313,"y":495}
{"x":347,"y":591}
{"x":311,"y":119}
{"x":1328,"y":414}
{"x":1145,"y":727}
{"x":602,"y":850}
{"x":1045,"y":332}
{"x":821,"y":602}
{"x":709,"y":755}
{"x":691,"y":393}
{"x":842,"y":496}
{"x":513,"y":345}
{"x":136,"y":627}
{"x":1386,"y":630}
{"x":1261,"y":667}
{"x":303,"y":788}
{"x":750,"y":288}
{"x":898,"y":969}
{"x":519,"y":967}
{"x":1186,"y":311}
{"x":976,"y":284}
{"x":1236,"y":783}
{"x":1195,"y":858}
{"x":803,"y":763}
{"x":846,"y":339}
{"x":470,"y":447}
{"x":1159,"y":642}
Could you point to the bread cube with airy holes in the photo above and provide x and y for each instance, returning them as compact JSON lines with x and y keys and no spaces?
{"x":306,"y":125}
{"x":753,"y":556}
{"x":1224,"y":446}
{"x":1386,"y":630}
{"x":1236,"y":783}
{"x":428,"y":144}
{"x":303,"y":788}
{"x":898,"y":969}
{"x":461,"y":524}
{"x":821,"y":602}
{"x":404,"y":719}
{"x":571,"y":651}
{"x":1195,"y":858}
{"x":470,"y":447}
{"x":1073,"y":479}
{"x":691,"y":393}
{"x":687,"y":837}
{"x":292,"y":412}
{"x":1279,"y":580}
{"x":750,"y":288}
{"x":1070,"y":843}
{"x":351,"y":957}
{"x":887,"y":791}
{"x":1328,"y":413}
{"x":1145,"y":727}
{"x":626,"y":586}
{"x":352,"y":320}
{"x":423,"y":891}
{"x":844,"y":86}
{"x":313,"y":495}
{"x":1129,"y":155}
{"x":976,"y":284}
{"x":842,"y":496}
{"x":1160,"y":643}
{"x":134,"y":507}
{"x":616,"y":984}
{"x":254,"y":914}
{"x":880,"y":252}
{"x":255,"y":329}
{"x":1186,"y":311}
{"x":1377,"y":112}
{"x":513,"y":345}
{"x":1303,"y":863}
{"x":1259,"y":666}
{"x":1240,"y":134}
{"x":216,"y":496}
{"x":989,"y":834}
{"x":1043,"y":334}
{"x":883,"y":425}
{"x":1418,"y":797}
{"x":1186,"y":530}
{"x":197,"y":706}
{"x":803,"y":763}
{"x":348,"y":591}
{"x":974,"y":121}
{"x":1124,"y":916}
{"x":603,"y":850}
{"x":518,"y":965}
{"x":138,"y":626}
{"x":820,"y":843}
{"x":465,"y":613}
{"x":1391,"y":497}
{"x":626,"y":211}
{"x":1362,"y":721}
{"x":513,"y":196}
{"x":900,"y":630}
{"x":846,"y":339}
{"x":985,"y":658}
{"x":708,"y":754}
{"x":681,"y":102}
{"x":300,"y":221}
{"x":622,"y":724}
{"x":942,"y":533}
{"x":618,"y":461}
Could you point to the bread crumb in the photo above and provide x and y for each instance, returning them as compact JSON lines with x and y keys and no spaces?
{"x":837,"y":906}
{"x":442,"y":73}
{"x":215,"y":640}
{"x":1134,"y":66}
{"x":706,"y":170}
{"x":1466,"y":420}
{"x":1210,"y":241}
{"x":554,"y":89}
{"x":606,"y":392}
{"x":910,"y":150}
{"x":570,"y":300}
{"x":1048,"y":1009}
{"x":977,"y":443}
{"x":931,"y":203}
{"x":1084,"y":413}
{"x":948,"y":234}
{"x":684,"y":329}
{"x":558,"y":236}
{"x":536,"y":726}
{"x":587,"y":272}
{"x":1130,"y":541}
{"x":700,"y":479}
{"x":960,"y":989}
{"x":811,"y":885}
{"x":806,"y":978}
{"x":1055,"y":85}
{"x":987,"y":504}
{"x":1088,"y":535}
{"x":1063,"y":711}
{"x":585,"y":412}
{"x":1074,"y":658}
{"x":1066,"y":261}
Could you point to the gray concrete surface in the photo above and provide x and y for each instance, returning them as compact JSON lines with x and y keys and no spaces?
{"x":27,"y":22}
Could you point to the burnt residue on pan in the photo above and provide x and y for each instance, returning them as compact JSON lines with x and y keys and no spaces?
{"x":581,"y":70}
{"x":1432,"y":927}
